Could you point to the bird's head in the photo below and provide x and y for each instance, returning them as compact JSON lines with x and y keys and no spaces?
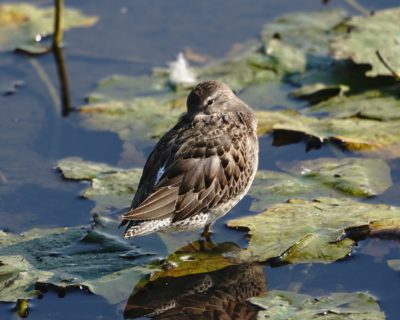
{"x":215,"y":97}
{"x":210,"y":97}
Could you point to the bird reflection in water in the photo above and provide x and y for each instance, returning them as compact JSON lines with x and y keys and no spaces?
{"x":220,"y":294}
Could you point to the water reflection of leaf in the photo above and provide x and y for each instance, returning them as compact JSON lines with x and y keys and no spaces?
{"x":24,"y":24}
{"x":313,"y":231}
{"x":339,"y":306}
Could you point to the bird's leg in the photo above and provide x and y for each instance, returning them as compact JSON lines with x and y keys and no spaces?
{"x":206,"y":234}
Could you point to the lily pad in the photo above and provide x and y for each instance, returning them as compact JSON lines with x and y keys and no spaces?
{"x":309,"y":231}
{"x":318,"y":92}
{"x":142,"y":107}
{"x":352,"y":133}
{"x":355,"y":176}
{"x":308,"y":32}
{"x":364,"y":37}
{"x":272,"y":187}
{"x":278,"y":305}
{"x":111,"y":188}
{"x":371,"y":105}
{"x":197,"y":257}
{"x":67,"y":257}
{"x":25,"y":23}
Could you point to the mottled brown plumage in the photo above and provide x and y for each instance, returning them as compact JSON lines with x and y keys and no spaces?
{"x":200,"y":168}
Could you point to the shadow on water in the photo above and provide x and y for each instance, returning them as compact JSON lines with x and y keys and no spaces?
{"x":32,"y":195}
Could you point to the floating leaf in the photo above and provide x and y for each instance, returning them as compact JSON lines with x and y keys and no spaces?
{"x":319,"y":92}
{"x":355,"y":176}
{"x":309,"y":231}
{"x":272,"y":187}
{"x":277,"y":305}
{"x":111,"y":188}
{"x":197,"y":257}
{"x":142,"y":107}
{"x":308,"y":32}
{"x":283,"y":58}
{"x":352,"y":133}
{"x":371,"y":105}
{"x":365,"y":36}
{"x":24,"y":23}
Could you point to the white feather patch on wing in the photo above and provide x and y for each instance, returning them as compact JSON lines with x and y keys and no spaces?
{"x":160,"y":174}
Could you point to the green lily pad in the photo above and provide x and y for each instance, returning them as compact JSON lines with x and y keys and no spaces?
{"x":277,"y":305}
{"x":284,"y":59}
{"x":353,"y":133}
{"x":355,"y":176}
{"x":68,"y":257}
{"x":24,"y":23}
{"x":241,"y":71}
{"x":272,"y":187}
{"x":318,"y":92}
{"x":371,"y":105}
{"x":309,"y":231}
{"x":308,"y":32}
{"x":111,"y":188}
{"x":135,"y":108}
{"x":320,"y":178}
{"x":363,"y":38}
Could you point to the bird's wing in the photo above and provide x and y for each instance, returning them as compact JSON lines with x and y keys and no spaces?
{"x":200,"y":172}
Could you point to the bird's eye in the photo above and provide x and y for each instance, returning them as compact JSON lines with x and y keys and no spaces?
{"x":210,"y":102}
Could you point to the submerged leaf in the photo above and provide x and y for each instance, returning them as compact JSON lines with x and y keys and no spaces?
{"x":365,"y":36}
{"x":68,"y":257}
{"x":24,"y":23}
{"x":310,"y":231}
{"x":277,"y":305}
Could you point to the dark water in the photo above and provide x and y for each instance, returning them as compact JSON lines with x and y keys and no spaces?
{"x":131,"y":38}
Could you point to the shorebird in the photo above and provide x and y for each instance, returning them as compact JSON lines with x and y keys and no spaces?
{"x":201,"y":168}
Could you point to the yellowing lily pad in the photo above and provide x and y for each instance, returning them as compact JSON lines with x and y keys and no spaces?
{"x":365,"y":36}
{"x":277,"y":305}
{"x":24,"y":23}
{"x":111,"y":188}
{"x":309,"y":231}
{"x":353,"y":133}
